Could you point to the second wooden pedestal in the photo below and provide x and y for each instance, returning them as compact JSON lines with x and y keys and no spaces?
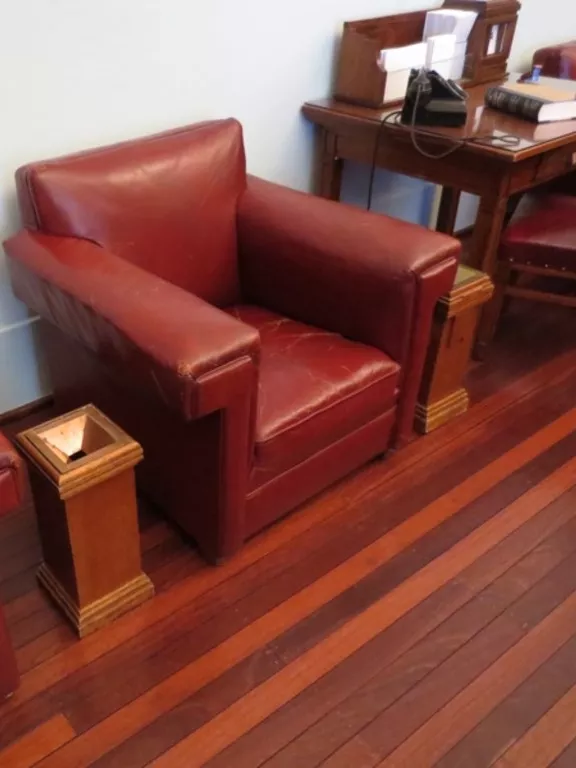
{"x":82,"y":476}
{"x":442,"y":393}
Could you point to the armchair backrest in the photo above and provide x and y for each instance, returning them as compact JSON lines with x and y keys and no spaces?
{"x":166,"y":203}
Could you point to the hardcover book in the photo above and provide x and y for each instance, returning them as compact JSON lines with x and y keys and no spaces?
{"x":538,"y":103}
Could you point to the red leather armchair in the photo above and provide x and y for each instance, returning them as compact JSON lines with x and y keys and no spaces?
{"x":259,"y":342}
{"x":10,"y":497}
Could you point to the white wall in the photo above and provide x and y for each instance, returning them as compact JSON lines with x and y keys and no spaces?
{"x":78,"y":73}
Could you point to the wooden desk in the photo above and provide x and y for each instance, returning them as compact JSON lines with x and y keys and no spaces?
{"x":494,"y":173}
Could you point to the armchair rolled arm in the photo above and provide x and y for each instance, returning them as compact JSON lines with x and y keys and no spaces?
{"x":369,"y":277}
{"x":165,"y":340}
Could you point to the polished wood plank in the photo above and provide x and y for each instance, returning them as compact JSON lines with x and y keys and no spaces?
{"x":343,"y":703}
{"x":567,"y":759}
{"x":520,"y":712}
{"x":353,"y":601}
{"x":170,"y":692}
{"x":435,"y":618}
{"x":34,"y":746}
{"x":547,"y":739}
{"x":383,"y":579}
{"x":412,"y":707}
{"x":308,"y":668}
{"x":456,"y":718}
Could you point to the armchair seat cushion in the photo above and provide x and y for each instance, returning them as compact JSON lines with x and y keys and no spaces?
{"x":315,"y":388}
{"x":545,"y":237}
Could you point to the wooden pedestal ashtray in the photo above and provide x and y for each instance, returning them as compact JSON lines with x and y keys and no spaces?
{"x":443,"y":396}
{"x":82,"y":477}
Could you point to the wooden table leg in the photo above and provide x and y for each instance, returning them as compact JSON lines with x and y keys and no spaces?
{"x":484,"y":256}
{"x":449,"y":203}
{"x":331,"y":168}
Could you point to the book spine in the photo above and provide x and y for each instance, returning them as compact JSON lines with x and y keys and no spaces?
{"x":513,"y":103}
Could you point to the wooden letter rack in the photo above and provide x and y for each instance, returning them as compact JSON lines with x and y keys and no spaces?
{"x":359,"y":78}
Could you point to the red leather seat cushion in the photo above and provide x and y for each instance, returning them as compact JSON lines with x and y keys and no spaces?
{"x":546,"y":236}
{"x":315,"y":387}
{"x":10,"y":477}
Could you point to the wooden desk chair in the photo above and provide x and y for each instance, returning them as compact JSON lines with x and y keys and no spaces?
{"x":557,"y":60}
{"x":540,"y":242}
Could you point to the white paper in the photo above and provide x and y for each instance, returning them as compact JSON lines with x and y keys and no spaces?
{"x":450,"y":22}
{"x":440,"y":48}
{"x":457,"y":71}
{"x":396,"y":85}
{"x":404,"y":58}
{"x":444,"y":68}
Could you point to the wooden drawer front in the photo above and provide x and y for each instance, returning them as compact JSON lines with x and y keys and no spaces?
{"x":556,"y":164}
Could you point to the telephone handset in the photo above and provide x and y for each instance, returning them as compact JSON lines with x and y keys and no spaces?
{"x":432,"y":100}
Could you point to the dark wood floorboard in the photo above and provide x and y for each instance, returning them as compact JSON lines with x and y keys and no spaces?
{"x":510,"y":721}
{"x":409,"y":648}
{"x":420,"y":613}
{"x":566,"y":758}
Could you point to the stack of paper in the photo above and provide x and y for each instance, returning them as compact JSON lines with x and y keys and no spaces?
{"x":441,"y":54}
{"x":397,"y":63}
{"x":450,"y":22}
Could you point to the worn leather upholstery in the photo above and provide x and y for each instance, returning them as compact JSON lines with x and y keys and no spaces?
{"x":544,"y":236}
{"x":558,"y":60}
{"x":315,"y":388}
{"x":10,"y":497}
{"x":259,"y":342}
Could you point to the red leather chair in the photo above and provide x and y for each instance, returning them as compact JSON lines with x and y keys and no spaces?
{"x":540,"y":242}
{"x":10,"y":497}
{"x":557,"y":60}
{"x":259,"y":342}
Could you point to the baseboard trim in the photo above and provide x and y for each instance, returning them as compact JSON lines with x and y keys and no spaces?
{"x":16,"y":414}
{"x":465,"y":232}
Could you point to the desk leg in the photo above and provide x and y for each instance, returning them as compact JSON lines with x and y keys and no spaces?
{"x":449,"y":203}
{"x":331,"y":168}
{"x":484,"y":256}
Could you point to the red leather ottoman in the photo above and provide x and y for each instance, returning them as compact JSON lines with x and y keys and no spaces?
{"x":10,"y":497}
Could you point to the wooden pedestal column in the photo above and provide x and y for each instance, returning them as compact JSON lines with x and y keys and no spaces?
{"x":82,"y":476}
{"x":442,"y":393}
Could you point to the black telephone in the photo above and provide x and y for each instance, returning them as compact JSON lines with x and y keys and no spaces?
{"x":432,"y":100}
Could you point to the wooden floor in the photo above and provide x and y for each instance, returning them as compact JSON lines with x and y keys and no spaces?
{"x":422,"y":613}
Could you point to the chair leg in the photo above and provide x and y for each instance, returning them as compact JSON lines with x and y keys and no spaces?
{"x":496,"y":303}
{"x":512,"y":279}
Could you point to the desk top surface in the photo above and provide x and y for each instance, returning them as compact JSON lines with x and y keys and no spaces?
{"x":483,"y":122}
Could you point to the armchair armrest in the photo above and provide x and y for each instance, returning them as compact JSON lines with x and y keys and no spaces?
{"x":166,"y":341}
{"x":369,"y":277}
{"x":338,"y":267}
